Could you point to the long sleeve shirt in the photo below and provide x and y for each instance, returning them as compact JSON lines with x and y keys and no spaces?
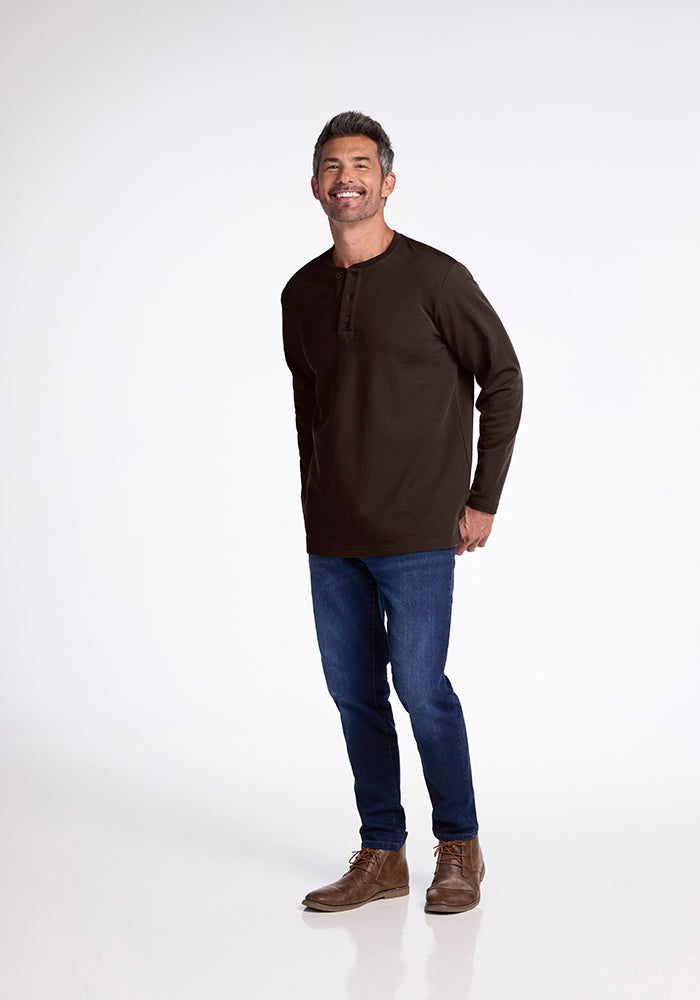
{"x":384,"y":356}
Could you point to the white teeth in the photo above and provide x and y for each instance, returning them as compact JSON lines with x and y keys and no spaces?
{"x":347,"y":194}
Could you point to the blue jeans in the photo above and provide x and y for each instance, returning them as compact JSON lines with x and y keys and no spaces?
{"x":352,"y":599}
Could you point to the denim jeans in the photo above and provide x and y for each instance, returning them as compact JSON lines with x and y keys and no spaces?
{"x":353,"y":598}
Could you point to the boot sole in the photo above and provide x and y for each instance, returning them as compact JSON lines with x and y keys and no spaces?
{"x":402,"y":890}
{"x":444,"y":908}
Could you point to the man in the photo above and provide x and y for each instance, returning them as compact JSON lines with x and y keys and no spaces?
{"x":384,"y":337}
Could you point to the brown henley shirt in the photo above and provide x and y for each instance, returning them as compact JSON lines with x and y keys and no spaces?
{"x":384,"y":355}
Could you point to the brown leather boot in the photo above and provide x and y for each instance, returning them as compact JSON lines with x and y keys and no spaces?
{"x":457,"y":883}
{"x":372,"y":875}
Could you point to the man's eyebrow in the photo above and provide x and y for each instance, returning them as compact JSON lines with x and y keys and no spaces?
{"x":336,"y":159}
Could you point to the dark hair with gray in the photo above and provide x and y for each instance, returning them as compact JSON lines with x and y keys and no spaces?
{"x":355,"y":123}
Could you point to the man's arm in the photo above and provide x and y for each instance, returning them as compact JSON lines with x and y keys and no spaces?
{"x":304,"y":386}
{"x":480,"y":344}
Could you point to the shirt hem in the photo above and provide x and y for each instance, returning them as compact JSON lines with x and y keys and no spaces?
{"x":389,"y":549}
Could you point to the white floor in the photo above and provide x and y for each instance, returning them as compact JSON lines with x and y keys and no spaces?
{"x":139,"y":867}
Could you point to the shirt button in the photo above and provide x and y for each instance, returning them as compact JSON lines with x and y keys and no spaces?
{"x":338,"y":275}
{"x":346,"y":320}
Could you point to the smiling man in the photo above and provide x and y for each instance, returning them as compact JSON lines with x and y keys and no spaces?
{"x":385,"y":338}
{"x":358,"y":196}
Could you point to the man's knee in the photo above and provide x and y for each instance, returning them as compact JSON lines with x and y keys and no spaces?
{"x":420,"y":694}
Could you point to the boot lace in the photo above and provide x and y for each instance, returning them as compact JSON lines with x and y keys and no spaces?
{"x":448,"y":852}
{"x":364,"y":858}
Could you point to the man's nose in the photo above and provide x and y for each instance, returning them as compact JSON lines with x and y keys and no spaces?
{"x":347,"y":175}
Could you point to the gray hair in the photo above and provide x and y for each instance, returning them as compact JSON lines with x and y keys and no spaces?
{"x":355,"y":123}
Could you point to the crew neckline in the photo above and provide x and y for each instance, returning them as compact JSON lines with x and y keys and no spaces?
{"x":395,"y":239}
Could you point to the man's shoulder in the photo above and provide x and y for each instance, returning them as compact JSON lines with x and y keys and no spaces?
{"x":427,"y":261}
{"x":428,"y":253}
{"x":306,"y":273}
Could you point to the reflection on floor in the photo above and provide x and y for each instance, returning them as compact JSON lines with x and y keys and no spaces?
{"x":148,"y":869}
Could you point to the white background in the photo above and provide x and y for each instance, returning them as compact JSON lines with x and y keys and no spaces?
{"x":161,"y":685}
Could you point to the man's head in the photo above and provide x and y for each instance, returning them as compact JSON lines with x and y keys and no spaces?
{"x":351,"y":123}
{"x":352,"y":168}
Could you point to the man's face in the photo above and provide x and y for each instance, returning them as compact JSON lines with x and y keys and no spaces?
{"x":349,"y":184}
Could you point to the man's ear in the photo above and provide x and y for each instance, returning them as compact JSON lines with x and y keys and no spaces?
{"x":388,"y":185}
{"x":314,"y":187}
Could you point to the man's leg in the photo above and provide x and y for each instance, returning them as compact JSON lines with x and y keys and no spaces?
{"x":416,"y":591}
{"x":353,"y":645}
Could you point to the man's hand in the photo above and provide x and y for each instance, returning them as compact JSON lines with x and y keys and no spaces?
{"x":475,"y":528}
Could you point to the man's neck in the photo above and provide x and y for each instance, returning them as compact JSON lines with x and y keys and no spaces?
{"x":355,"y":243}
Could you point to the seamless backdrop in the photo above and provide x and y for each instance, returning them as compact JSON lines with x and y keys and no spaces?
{"x":155,"y":197}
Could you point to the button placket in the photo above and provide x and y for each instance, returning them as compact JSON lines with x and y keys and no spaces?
{"x":348,"y":302}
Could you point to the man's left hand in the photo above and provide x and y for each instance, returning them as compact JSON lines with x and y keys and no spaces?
{"x":475,"y":528}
